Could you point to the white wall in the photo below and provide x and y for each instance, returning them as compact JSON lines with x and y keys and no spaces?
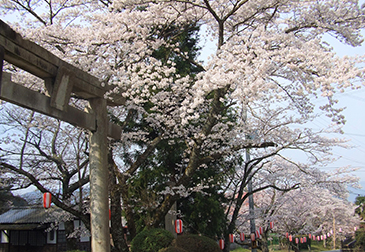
{"x":52,"y":237}
{"x":4,"y":237}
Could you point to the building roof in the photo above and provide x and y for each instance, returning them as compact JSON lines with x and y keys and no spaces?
{"x":27,"y":217}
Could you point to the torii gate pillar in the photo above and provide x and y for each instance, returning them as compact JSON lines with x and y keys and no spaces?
{"x":99,"y":179}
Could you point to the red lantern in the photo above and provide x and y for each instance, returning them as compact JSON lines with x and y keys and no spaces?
{"x":242,"y":236}
{"x":296,"y":240}
{"x":221,"y":244}
{"x":110,"y":214}
{"x":286,"y":235}
{"x":318,"y":238}
{"x":305,"y":239}
{"x":290,"y":238}
{"x":301,"y":240}
{"x":47,"y":200}
{"x":253,"y":237}
{"x":271,"y":224}
{"x":310,"y":236}
{"x":178,"y":226}
{"x":314,"y":238}
{"x":257,"y":234}
{"x":261,"y":230}
{"x":231,"y":238}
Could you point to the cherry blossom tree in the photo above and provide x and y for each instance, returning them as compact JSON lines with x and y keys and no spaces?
{"x":318,"y":207}
{"x":49,"y":155}
{"x":270,"y":67}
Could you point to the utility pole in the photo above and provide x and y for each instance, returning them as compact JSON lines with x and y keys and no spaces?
{"x":250,"y":196}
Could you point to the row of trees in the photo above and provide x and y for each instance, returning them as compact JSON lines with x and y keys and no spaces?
{"x":187,"y":125}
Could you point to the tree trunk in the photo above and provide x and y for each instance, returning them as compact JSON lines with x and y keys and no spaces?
{"x":227,"y":243}
{"x":117,"y":231}
{"x":127,"y":208}
{"x":324,"y":243}
{"x":71,"y":242}
{"x":264,"y":243}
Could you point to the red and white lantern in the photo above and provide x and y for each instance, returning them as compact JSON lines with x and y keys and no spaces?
{"x":305,"y":239}
{"x":301,"y":239}
{"x":261,"y":230}
{"x":290,"y":238}
{"x":221,"y":244}
{"x":178,"y":226}
{"x":257,"y":234}
{"x":47,"y":200}
{"x":340,"y":230}
{"x":242,"y":236}
{"x":231,"y":238}
{"x":314,"y":238}
{"x":253,"y":237}
{"x":296,"y":240}
{"x":271,"y":224}
{"x":310,"y":236}
{"x":286,"y":235}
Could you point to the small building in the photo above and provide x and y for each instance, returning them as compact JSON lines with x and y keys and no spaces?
{"x":30,"y":229}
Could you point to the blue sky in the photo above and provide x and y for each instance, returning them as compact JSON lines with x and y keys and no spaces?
{"x":354,"y":129}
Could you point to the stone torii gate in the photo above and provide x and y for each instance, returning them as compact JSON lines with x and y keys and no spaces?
{"x":61,"y":79}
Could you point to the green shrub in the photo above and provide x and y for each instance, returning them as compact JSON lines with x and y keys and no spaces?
{"x":196,"y":243}
{"x":172,"y":249}
{"x":360,"y":240}
{"x":151,"y":240}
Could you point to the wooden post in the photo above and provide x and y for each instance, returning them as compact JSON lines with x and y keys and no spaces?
{"x":99,"y":208}
{"x":334,"y":231}
{"x":170,"y":220}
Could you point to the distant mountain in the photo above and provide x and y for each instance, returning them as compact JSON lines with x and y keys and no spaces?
{"x":354,"y":192}
{"x":33,"y":197}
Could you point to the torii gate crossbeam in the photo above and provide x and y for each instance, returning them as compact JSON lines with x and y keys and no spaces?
{"x":61,"y":80}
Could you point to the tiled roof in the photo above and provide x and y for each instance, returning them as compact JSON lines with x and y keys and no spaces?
{"x":27,"y":215}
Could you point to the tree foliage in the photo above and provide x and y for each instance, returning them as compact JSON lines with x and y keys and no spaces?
{"x":196,"y":243}
{"x":151,"y":240}
{"x":360,"y":209}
